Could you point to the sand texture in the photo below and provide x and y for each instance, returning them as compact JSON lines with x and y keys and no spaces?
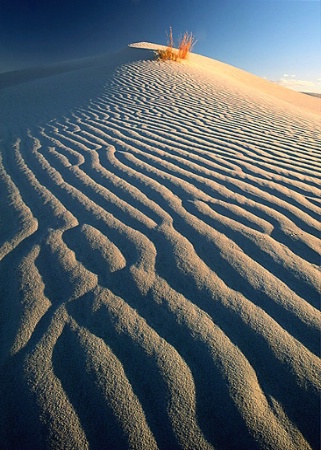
{"x":159,"y":258}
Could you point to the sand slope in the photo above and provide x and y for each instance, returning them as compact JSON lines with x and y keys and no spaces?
{"x":159,"y":264}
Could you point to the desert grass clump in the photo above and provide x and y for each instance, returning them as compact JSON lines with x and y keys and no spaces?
{"x":185,"y":46}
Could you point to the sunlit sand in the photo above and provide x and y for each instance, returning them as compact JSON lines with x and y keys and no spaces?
{"x":159,"y":253}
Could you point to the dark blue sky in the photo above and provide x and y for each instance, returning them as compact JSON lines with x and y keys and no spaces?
{"x":272,"y":38}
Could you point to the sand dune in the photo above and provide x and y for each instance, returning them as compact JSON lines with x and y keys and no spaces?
{"x":159,"y":257}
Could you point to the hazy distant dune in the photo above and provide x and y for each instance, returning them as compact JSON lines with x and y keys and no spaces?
{"x":159,"y":250}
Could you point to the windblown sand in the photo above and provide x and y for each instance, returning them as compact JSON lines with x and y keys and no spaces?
{"x":159,"y":252}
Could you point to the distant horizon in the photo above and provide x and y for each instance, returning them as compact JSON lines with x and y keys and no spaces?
{"x":274,"y":39}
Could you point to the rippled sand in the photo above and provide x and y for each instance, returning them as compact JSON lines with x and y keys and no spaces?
{"x":159,"y":254}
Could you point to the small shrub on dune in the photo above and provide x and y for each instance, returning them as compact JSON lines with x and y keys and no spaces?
{"x":185,"y":46}
{"x":169,"y":53}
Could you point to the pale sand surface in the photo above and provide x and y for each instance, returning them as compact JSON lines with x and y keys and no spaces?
{"x":159,"y":252}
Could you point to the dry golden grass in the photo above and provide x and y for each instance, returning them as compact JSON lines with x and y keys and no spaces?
{"x":185,"y":45}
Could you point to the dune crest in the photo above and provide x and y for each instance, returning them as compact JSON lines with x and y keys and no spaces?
{"x":159,"y":258}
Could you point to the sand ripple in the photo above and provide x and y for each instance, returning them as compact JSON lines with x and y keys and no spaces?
{"x":159,"y":268}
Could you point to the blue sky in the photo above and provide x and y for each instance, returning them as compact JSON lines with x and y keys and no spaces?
{"x":276,"y":39}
